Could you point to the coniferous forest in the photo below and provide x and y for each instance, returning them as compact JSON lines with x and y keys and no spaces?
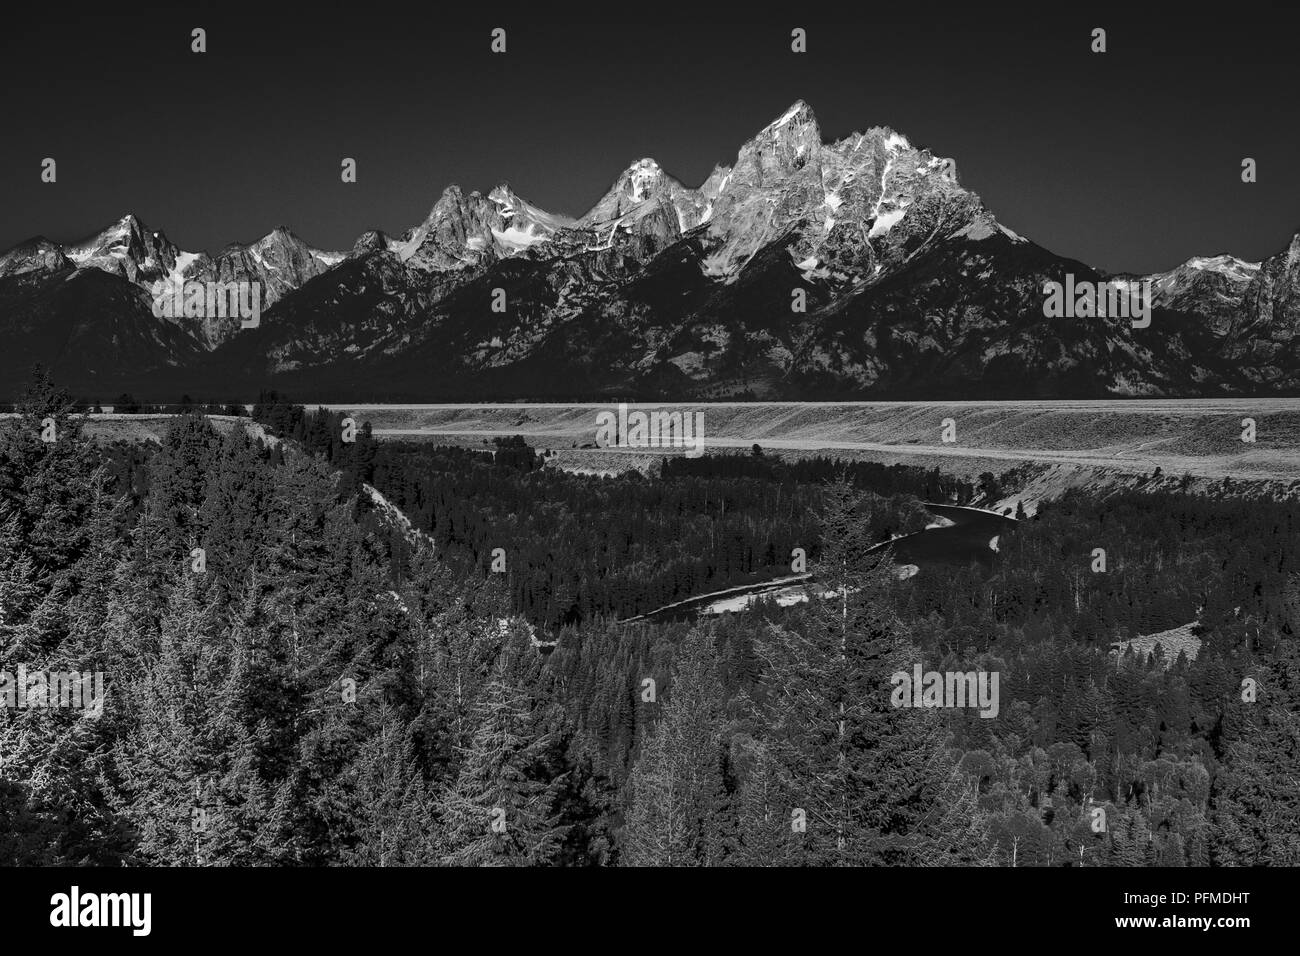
{"x":328,"y":652}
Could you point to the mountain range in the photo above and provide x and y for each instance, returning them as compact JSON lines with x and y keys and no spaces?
{"x":805,"y":270}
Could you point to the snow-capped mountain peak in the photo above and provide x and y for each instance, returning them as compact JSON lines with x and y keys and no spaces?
{"x":637,"y":192}
{"x":126,"y":248}
{"x":645,"y":175}
{"x":463,"y":230}
{"x":799,"y":116}
{"x":521,"y":211}
{"x":1230,"y":266}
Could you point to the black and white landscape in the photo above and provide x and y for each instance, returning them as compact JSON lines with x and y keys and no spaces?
{"x":787,"y":503}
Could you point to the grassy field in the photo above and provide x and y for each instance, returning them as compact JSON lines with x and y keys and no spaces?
{"x":1201,"y":437}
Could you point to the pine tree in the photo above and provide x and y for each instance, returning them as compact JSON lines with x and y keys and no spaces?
{"x":764,"y":829}
{"x":394,"y":818}
{"x":497,"y":812}
{"x":178,"y":474}
{"x":177,"y":781}
{"x":871,"y":778}
{"x":1254,"y":801}
{"x":46,"y":467}
{"x":677,"y":812}
{"x":19,"y":587}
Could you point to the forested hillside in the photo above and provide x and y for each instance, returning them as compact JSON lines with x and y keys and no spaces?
{"x":575,"y":547}
{"x":295,"y":679}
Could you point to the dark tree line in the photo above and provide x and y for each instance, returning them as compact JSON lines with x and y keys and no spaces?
{"x":925,"y":484}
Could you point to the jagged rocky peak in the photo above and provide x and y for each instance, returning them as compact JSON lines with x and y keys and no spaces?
{"x":509,"y":205}
{"x":642,"y":179}
{"x":1272,"y":298}
{"x":448,"y":205}
{"x":641,"y":182}
{"x":503,"y":195}
{"x":525,"y":223}
{"x":1231,"y":267}
{"x":649,"y":205}
{"x":796,"y":126}
{"x":37,"y":254}
{"x":785,"y":145}
{"x":453,"y":235}
{"x":281,"y":260}
{"x":282,"y":243}
{"x":464,"y":230}
{"x":848,"y":209}
{"x":984,"y":226}
{"x":127,"y":248}
{"x":1212,"y":286}
{"x":278,"y":263}
{"x":372,"y":240}
{"x":456,"y":233}
{"x":1293,"y":250}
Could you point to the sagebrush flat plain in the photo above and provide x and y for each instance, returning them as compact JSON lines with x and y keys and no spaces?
{"x":1201,"y":437}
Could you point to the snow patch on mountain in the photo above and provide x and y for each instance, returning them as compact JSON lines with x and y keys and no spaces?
{"x":1230,"y":266}
{"x":886,"y":221}
{"x":884,"y":186}
{"x":985,"y":227}
{"x":184,"y":260}
{"x":516,"y":239}
{"x":645,"y":172}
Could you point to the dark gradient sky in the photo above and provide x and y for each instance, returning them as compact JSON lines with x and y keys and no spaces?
{"x":1128,"y":160}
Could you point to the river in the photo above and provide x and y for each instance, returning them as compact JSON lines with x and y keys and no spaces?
{"x":966,"y":536}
